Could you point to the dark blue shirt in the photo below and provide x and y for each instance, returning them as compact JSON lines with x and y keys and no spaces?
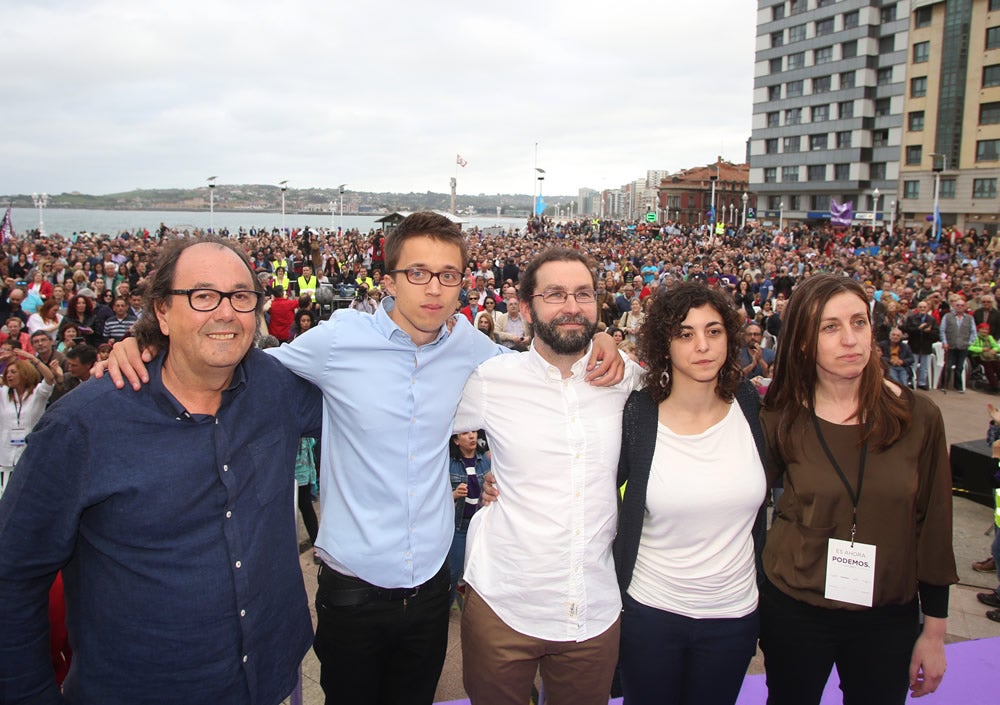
{"x":177,"y":540}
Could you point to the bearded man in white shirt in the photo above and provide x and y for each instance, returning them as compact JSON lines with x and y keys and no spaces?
{"x":542,"y":591}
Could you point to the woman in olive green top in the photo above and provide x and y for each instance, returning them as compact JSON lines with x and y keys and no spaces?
{"x":861,"y":544}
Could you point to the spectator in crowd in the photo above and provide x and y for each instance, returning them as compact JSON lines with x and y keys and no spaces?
{"x":80,"y":361}
{"x":984,"y":351}
{"x":27,"y":386}
{"x":282,"y":314}
{"x":16,"y":333}
{"x":632,"y":319}
{"x":80,"y":313}
{"x":898,"y":358}
{"x":69,"y":336}
{"x":958,"y":331}
{"x":467,"y":470}
{"x":304,"y":320}
{"x":922,"y":332}
{"x":754,"y":359}
{"x":46,"y":319}
{"x":119,"y":326}
{"x":512,"y":330}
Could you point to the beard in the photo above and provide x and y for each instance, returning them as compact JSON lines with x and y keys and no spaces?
{"x":564,"y":343}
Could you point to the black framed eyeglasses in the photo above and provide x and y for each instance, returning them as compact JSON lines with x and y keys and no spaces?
{"x":586,"y":296}
{"x":418,"y":275}
{"x":205,"y":300}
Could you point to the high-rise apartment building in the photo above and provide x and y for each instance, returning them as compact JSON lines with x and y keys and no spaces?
{"x":951,"y":129}
{"x":829,"y":83}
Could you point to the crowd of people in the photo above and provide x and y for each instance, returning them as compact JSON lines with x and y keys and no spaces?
{"x":664,"y":340}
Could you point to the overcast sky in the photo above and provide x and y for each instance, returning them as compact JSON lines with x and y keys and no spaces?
{"x":101,"y":96}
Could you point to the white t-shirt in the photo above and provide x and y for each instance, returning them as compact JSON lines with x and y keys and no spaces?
{"x":696,"y":554}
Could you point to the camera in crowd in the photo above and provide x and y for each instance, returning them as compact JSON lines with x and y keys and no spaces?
{"x":362,"y":293}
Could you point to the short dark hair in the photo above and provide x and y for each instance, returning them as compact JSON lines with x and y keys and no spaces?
{"x":663,"y":324}
{"x":422,"y":224}
{"x":83,"y":353}
{"x":529,"y":279}
{"x":147,"y":329}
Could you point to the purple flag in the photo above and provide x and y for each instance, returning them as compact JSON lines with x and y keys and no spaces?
{"x":841,"y":214}
{"x":6,"y":228}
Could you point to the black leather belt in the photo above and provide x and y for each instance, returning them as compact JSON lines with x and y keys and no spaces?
{"x":349,"y":591}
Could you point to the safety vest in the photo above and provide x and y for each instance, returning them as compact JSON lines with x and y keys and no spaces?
{"x":308,"y":287}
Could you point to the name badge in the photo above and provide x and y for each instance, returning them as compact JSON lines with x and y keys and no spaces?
{"x":17,"y":436}
{"x":850,"y":572}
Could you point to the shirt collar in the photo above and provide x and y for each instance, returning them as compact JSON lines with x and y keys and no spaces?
{"x":389,"y":328}
{"x":170,"y":404}
{"x":553,"y":373}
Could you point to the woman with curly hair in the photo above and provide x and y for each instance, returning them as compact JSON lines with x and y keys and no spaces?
{"x":692,"y":518}
{"x":861,"y":542}
{"x":80,"y":313}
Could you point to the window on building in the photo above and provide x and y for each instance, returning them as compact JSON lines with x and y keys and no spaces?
{"x":878,"y":171}
{"x":888,"y":13}
{"x":847,"y":79}
{"x":844,"y":140}
{"x":918,"y":86}
{"x":778,"y":38}
{"x":793,"y":116}
{"x":884,"y":76}
{"x":793,"y":89}
{"x":841,"y":172}
{"x":816,"y":172}
{"x":989,"y":114}
{"x":778,"y":11}
{"x":774,"y":92}
{"x":820,"y":202}
{"x":911,"y":189}
{"x":773,"y":203}
{"x":882,"y":107}
{"x":817,"y":142}
{"x":797,"y":33}
{"x":921,"y":52}
{"x":880,"y":138}
{"x":793,"y":202}
{"x":771,"y":146}
{"x":774,"y":119}
{"x":991,"y":75}
{"x":796,"y":60}
{"x":824,"y":27}
{"x":824,"y":3}
{"x":774,"y":65}
{"x":987,"y":150}
{"x":845,"y":109}
{"x":791,"y":144}
{"x":851,"y":19}
{"x":796,"y":6}
{"x":770,"y":175}
{"x":947,"y":188}
{"x":914,"y":154}
{"x":848,"y":50}
{"x":887,"y":45}
{"x":994,"y":5}
{"x":821,"y":84}
{"x":984,"y":188}
{"x":823,"y":56}
{"x":922,"y":17}
{"x":820,"y":113}
{"x":791,"y":173}
{"x":915,"y":121}
{"x":992,"y":37}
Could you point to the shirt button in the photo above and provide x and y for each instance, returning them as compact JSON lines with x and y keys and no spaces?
{"x":239,"y":564}
{"x":244,"y":658}
{"x":225,"y":468}
{"x":243,"y":613}
{"x":228,"y":515}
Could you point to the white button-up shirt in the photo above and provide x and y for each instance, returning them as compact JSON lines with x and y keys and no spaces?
{"x":541,"y":555}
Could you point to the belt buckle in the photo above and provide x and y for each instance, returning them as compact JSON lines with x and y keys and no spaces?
{"x":411,"y":592}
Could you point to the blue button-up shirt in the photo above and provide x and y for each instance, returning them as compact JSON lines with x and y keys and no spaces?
{"x":177,"y":539}
{"x":388,"y":407}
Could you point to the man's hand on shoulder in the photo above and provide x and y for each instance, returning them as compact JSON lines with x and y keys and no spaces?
{"x":605,"y":368}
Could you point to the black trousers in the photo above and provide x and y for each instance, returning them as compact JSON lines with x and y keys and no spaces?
{"x":801,"y":643}
{"x":385,"y":647}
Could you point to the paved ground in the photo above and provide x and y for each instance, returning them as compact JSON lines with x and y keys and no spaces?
{"x":965,"y":420}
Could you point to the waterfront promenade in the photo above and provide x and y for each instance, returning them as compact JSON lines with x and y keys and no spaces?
{"x":965,"y":420}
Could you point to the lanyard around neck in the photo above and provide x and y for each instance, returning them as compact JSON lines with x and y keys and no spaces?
{"x":855,"y":496}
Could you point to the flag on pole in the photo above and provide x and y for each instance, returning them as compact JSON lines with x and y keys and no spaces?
{"x":6,"y":228}
{"x":937,"y":223}
{"x":841,"y":214}
{"x":711,"y":216}
{"x":540,"y":206}
{"x":459,"y":160}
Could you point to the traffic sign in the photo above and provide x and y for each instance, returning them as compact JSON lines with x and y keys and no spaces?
{"x":651,"y":217}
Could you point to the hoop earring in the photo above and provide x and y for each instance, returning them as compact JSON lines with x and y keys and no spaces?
{"x":664,"y":379}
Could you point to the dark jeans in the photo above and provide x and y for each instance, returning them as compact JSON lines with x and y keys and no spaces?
{"x":954,"y":365}
{"x":456,"y":556}
{"x":669,"y":659}
{"x":870,"y":647}
{"x":387,"y":650}
{"x":308,"y":512}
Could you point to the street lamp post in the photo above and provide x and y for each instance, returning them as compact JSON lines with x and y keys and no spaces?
{"x":745,"y":199}
{"x":40,"y":200}
{"x":333,"y":216}
{"x":539,"y":198}
{"x":938,"y":164}
{"x":892,"y":216}
{"x":284,"y":187}
{"x":875,"y":194}
{"x":781,"y":216}
{"x":342,"y":186}
{"x":211,"y":204}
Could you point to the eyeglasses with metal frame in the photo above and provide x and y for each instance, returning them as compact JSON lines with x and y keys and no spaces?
{"x":558,"y":296}
{"x":205,"y":300}
{"x":418,"y":276}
